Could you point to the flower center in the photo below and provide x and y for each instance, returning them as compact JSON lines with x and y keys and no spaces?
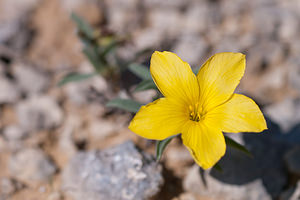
{"x":196,"y":112}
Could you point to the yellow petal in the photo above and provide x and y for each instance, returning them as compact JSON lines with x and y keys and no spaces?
{"x":205,"y":142}
{"x":240,"y":114}
{"x":173,"y":77}
{"x":218,"y":78}
{"x":159,"y":119}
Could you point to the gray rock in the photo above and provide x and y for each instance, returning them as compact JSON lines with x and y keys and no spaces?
{"x":39,"y":113}
{"x":31,"y":165}
{"x":119,"y":173}
{"x":8,"y":91}
{"x":30,"y":80}
{"x":292,"y":159}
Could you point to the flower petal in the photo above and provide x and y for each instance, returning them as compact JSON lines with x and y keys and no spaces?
{"x":205,"y":142}
{"x":240,"y":114}
{"x":173,"y":77}
{"x":218,"y":78}
{"x":159,"y":119}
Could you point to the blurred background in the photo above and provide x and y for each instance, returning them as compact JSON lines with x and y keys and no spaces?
{"x":63,"y":143}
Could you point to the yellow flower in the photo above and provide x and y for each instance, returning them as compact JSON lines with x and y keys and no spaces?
{"x":199,"y":107}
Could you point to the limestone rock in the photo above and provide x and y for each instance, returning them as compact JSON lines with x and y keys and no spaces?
{"x":121,"y":172}
{"x":31,"y":165}
{"x":39,"y":113}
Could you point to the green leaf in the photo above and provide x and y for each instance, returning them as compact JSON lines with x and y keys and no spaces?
{"x":141,"y":71}
{"x":83,"y":26}
{"x":217,"y":167}
{"x":145,"y":85}
{"x":109,"y":48}
{"x":74,"y":77}
{"x":94,"y":58}
{"x":125,"y":104}
{"x":237,"y":146}
{"x":161,"y":145}
{"x":195,"y":70}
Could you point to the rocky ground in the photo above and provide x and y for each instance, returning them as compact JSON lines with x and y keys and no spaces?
{"x":62,"y":143}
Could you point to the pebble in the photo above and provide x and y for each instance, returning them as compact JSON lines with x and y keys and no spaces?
{"x":31,"y":165}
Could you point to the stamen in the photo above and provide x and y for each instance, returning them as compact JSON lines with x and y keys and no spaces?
{"x":196,"y":112}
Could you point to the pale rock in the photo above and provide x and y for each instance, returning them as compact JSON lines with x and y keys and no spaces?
{"x":39,"y":113}
{"x":161,"y":20}
{"x":14,"y":132}
{"x":213,"y":189}
{"x":191,"y":48}
{"x":148,"y":38}
{"x":14,"y":136}
{"x":275,"y":78}
{"x":7,"y":187}
{"x":55,"y":196}
{"x":195,"y":20}
{"x":145,"y":97}
{"x":122,"y":15}
{"x":266,"y":27}
{"x":101,"y":129}
{"x":289,"y":25}
{"x":29,"y":79}
{"x":81,"y":92}
{"x":9,"y":93}
{"x":66,"y":142}
{"x":13,"y":14}
{"x":294,"y":72}
{"x":173,"y":4}
{"x":284,"y":113}
{"x":188,"y":196}
{"x":31,"y":165}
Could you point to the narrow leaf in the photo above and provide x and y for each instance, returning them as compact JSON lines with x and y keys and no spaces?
{"x":195,"y":70}
{"x":145,"y":85}
{"x":125,"y":104}
{"x":91,"y":54}
{"x":109,"y":48}
{"x":237,"y":146}
{"x":83,"y":26}
{"x":161,"y":145}
{"x":218,"y":168}
{"x":141,"y":71}
{"x":74,"y":77}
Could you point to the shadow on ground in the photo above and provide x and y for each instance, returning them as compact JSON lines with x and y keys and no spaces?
{"x":268,"y":149}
